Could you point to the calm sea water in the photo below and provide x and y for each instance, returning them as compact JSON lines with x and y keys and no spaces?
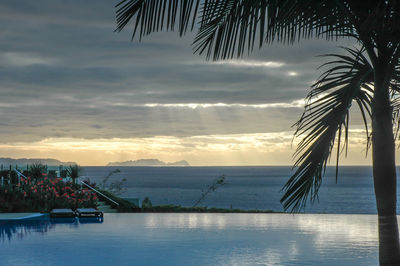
{"x":246,"y":188}
{"x":194,"y":239}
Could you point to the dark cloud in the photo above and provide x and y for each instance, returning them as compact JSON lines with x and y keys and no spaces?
{"x":39,"y":122}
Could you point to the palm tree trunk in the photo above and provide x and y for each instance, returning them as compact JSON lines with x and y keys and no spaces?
{"x":384,"y":172}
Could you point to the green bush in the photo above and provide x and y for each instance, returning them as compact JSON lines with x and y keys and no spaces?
{"x":44,"y":195}
{"x":124,"y":205}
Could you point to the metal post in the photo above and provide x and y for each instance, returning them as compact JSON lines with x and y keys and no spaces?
{"x":116,"y":203}
{"x":19,"y":173}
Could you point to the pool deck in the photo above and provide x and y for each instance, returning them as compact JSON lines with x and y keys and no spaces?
{"x":21,"y":216}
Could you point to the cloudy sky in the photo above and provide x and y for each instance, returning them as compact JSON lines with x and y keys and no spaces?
{"x":74,"y":90}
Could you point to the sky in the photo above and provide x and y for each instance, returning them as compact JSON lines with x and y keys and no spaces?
{"x":73,"y":89}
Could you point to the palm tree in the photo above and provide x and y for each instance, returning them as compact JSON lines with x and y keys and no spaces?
{"x":74,"y":171}
{"x":37,"y":170}
{"x":368,"y":75}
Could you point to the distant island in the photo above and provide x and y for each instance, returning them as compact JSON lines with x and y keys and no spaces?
{"x":149,"y":162}
{"x":24,"y":161}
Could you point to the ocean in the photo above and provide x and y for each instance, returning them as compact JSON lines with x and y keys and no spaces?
{"x":247,"y":187}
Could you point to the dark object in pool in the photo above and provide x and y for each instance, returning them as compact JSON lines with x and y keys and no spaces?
{"x":69,"y":220}
{"x":88,"y":212}
{"x":62,"y":213}
{"x":91,"y":220}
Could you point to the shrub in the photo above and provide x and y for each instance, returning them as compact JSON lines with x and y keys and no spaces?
{"x":44,"y":195}
{"x":74,"y":171}
{"x":37,"y":170}
{"x":124,"y":205}
{"x":147,"y":203}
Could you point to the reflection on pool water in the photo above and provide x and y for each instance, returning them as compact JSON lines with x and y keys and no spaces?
{"x":193,"y":239}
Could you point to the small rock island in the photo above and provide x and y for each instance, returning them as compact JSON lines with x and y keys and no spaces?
{"x":149,"y":162}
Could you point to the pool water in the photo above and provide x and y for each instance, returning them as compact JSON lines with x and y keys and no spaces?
{"x":193,"y":239}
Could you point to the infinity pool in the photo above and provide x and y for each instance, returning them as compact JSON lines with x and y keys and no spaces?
{"x":193,"y":239}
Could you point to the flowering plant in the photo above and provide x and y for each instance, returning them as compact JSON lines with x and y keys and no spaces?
{"x":45,"y":194}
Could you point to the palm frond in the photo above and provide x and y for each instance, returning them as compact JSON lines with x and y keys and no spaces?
{"x":326,"y":115}
{"x":396,"y":115}
{"x":155,"y":15}
{"x":395,"y":100}
{"x":230,"y":28}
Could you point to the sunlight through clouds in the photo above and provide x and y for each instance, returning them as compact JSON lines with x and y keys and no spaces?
{"x":294,"y":104}
{"x":23,"y":59}
{"x":234,"y":149}
{"x":247,"y":63}
{"x":228,"y":149}
{"x":90,"y":96}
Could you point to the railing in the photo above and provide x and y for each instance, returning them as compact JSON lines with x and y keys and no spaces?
{"x":92,"y":188}
{"x":19,"y":176}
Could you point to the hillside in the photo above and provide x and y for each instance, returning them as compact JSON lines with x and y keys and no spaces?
{"x":25,"y":161}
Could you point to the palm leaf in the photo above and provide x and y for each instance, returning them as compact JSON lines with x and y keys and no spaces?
{"x":326,"y":115}
{"x":155,"y":15}
{"x":395,"y":100}
{"x":396,"y":115}
{"x":230,"y":28}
